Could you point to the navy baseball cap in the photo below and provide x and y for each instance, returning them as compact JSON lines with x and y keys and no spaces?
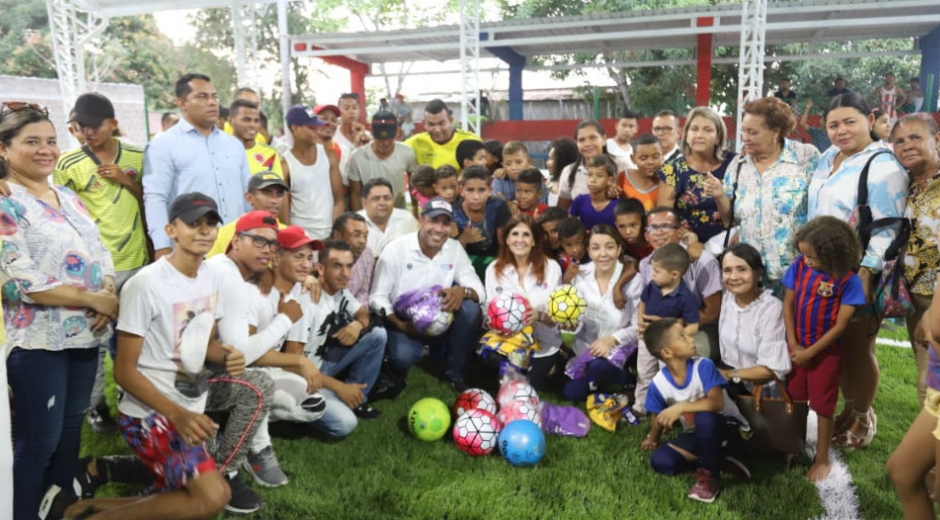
{"x":302,"y":115}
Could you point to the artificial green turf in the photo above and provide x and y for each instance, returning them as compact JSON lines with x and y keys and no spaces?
{"x":381,"y":472}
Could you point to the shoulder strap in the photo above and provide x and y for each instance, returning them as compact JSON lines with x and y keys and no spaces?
{"x":861,"y":203}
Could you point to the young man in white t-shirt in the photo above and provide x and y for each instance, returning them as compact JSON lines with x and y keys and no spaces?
{"x":334,"y":333}
{"x":257,"y":329}
{"x":166,"y":335}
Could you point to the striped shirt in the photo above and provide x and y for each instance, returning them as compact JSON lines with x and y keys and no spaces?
{"x":817,"y":298}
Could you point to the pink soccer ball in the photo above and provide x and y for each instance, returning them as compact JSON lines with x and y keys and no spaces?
{"x":474,"y":399}
{"x":508,"y":313}
{"x":520,"y":410}
{"x":516,"y":391}
{"x":476,"y":432}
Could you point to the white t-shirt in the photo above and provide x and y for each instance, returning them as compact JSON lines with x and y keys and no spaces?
{"x":400,"y":223}
{"x":313,"y":328}
{"x":311,"y":204}
{"x":244,"y":306}
{"x":602,"y":317}
{"x":701,"y":377}
{"x":622,"y":152}
{"x":175,"y":315}
{"x":537,"y":294}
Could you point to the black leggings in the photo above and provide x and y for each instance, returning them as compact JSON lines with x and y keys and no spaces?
{"x":539,"y":368}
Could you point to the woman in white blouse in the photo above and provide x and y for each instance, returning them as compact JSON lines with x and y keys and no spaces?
{"x":522,"y":267}
{"x":606,"y":330}
{"x":750,"y":328}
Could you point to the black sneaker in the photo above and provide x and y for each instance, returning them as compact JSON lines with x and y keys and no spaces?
{"x":244,"y":499}
{"x":386,"y":388}
{"x":365,"y":411}
{"x":55,"y":502}
{"x":100,"y":420}
{"x":85,"y":483}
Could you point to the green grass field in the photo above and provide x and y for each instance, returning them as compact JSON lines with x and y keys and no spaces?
{"x":381,"y":472}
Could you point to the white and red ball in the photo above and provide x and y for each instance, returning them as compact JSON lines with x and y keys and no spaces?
{"x":520,"y":410}
{"x":476,"y":432}
{"x":516,"y":391}
{"x":508,"y":313}
{"x":474,"y":399}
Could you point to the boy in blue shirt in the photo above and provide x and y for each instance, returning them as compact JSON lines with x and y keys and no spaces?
{"x":666,"y":295}
{"x":480,"y":217}
{"x":692,"y":391}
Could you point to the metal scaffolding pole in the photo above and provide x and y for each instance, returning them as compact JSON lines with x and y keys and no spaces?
{"x":751,"y":57}
{"x":71,"y":30}
{"x":245,"y":20}
{"x":470,"y":65}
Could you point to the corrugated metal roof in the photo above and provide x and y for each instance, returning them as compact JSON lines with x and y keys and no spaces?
{"x":787,"y":22}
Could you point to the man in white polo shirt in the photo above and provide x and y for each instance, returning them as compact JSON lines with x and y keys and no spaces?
{"x":420,"y":260}
{"x":385,"y":221}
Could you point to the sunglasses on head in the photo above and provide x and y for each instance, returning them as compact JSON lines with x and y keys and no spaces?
{"x":19,"y":106}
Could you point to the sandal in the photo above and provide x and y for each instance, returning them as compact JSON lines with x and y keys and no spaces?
{"x":842,"y":422}
{"x":873,"y":421}
{"x":849,"y":440}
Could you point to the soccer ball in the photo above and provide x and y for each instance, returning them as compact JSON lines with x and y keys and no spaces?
{"x":566,"y":305}
{"x":429,"y":419}
{"x":476,"y":432}
{"x":516,"y":391}
{"x":508,"y":313}
{"x":474,"y":399}
{"x":440,"y":323}
{"x":516,"y":410}
{"x":522,"y":443}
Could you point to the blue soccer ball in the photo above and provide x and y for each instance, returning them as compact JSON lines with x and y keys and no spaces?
{"x":522,"y":443}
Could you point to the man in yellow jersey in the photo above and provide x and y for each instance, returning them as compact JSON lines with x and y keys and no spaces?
{"x":267,"y":191}
{"x":437,"y":145}
{"x":248,"y":94}
{"x":245,"y":118}
{"x":106,"y":174}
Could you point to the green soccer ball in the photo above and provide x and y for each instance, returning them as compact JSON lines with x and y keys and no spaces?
{"x":429,"y":419}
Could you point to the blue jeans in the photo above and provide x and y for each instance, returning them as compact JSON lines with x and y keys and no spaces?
{"x":457,"y":344}
{"x":364,"y":359}
{"x":338,"y":419}
{"x":50,"y":396}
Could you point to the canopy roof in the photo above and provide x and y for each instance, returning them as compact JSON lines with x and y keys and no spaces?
{"x":116,"y":8}
{"x":787,"y":22}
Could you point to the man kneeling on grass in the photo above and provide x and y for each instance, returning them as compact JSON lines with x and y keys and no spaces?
{"x":335,"y":333}
{"x":166,"y":336}
{"x":690,"y":390}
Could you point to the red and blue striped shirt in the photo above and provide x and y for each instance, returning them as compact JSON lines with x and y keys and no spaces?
{"x":817,"y":298}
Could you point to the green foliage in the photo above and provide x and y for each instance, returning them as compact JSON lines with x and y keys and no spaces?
{"x":25,"y":49}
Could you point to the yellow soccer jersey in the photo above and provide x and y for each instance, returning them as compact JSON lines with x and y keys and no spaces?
{"x":224,"y":238}
{"x":429,"y":152}
{"x":262,"y":158}
{"x":116,"y":211}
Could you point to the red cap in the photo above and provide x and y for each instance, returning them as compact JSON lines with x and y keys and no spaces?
{"x":256,"y":220}
{"x":293,"y":237}
{"x":319,"y":109}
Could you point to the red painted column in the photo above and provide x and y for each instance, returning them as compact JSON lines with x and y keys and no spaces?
{"x":357,"y":77}
{"x":704,"y":58}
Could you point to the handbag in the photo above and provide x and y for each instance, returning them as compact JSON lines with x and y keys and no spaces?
{"x":892,"y":299}
{"x":777,"y":423}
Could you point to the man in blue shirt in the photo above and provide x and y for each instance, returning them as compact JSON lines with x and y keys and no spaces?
{"x":193,"y":155}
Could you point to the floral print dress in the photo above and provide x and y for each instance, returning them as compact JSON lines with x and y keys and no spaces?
{"x":697,"y":211}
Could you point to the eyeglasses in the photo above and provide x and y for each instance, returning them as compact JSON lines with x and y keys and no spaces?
{"x":662,"y":129}
{"x":661,"y":227}
{"x":260,"y":242}
{"x":19,"y":106}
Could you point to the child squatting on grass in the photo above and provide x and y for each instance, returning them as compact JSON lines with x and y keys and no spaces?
{"x":822,"y":292}
{"x":690,"y":390}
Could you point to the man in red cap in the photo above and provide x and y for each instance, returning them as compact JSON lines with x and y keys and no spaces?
{"x":335,"y":333}
{"x":256,"y":329}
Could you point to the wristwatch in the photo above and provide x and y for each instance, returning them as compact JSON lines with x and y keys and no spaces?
{"x":735,"y":378}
